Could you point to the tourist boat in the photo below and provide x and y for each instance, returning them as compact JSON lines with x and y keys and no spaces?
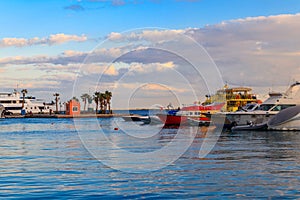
{"x":13,"y":102}
{"x":196,"y":111}
{"x":235,"y":98}
{"x":270,"y":107}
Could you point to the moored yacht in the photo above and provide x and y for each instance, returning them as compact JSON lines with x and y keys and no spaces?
{"x":13,"y":104}
{"x":270,"y":107}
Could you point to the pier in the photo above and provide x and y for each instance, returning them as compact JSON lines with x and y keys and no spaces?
{"x":90,"y":115}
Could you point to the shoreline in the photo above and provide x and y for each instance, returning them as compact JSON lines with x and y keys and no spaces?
{"x":64,"y":116}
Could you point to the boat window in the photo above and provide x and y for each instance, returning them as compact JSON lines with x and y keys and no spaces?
{"x":251,"y":106}
{"x":13,"y":108}
{"x":266,"y":107}
{"x":5,"y":101}
{"x":191,"y":113}
{"x":277,"y":108}
{"x":282,"y":107}
{"x":287,"y":106}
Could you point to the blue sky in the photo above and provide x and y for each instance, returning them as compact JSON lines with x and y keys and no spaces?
{"x":44,"y":43}
{"x":98,"y":18}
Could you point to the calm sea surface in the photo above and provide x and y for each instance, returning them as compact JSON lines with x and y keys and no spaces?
{"x":45,"y":158}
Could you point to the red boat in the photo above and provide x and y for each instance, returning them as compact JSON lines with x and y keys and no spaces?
{"x":199,"y":112}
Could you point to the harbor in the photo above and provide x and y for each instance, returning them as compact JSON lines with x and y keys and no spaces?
{"x":154,"y":99}
{"x":235,"y":108}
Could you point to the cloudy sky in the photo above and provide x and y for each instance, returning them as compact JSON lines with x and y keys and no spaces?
{"x":151,"y":52}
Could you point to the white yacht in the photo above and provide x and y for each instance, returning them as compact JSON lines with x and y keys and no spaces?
{"x":275,"y":103}
{"x":13,"y":102}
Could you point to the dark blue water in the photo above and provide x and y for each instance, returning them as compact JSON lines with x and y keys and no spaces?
{"x":45,"y":158}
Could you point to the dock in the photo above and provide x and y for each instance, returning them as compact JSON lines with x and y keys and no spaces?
{"x":90,"y":115}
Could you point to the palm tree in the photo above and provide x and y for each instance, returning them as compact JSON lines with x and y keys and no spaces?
{"x":24,"y":92}
{"x":96,"y":98}
{"x":102,"y":102}
{"x":85,"y":98}
{"x":108,"y":95}
{"x":56,"y":101}
{"x":89,"y":100}
{"x":75,"y":98}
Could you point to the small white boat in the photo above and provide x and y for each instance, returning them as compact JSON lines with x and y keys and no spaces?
{"x":152,"y":120}
{"x":288,"y":119}
{"x":134,"y":118}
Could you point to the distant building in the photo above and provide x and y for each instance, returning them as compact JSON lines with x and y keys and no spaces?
{"x":72,"y":107}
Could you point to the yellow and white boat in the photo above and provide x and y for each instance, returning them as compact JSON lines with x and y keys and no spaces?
{"x":234,"y":98}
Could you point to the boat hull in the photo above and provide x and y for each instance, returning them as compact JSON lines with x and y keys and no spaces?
{"x":197,"y":122}
{"x":134,"y":118}
{"x":246,"y":118}
{"x":177,"y":120}
{"x":172,"y":120}
{"x":288,"y":119}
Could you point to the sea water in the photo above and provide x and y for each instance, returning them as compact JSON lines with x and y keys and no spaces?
{"x":47,"y":158}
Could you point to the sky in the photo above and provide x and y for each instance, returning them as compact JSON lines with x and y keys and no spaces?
{"x":148,"y":52}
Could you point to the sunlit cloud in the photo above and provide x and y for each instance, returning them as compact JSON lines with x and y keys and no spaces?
{"x":147,"y":35}
{"x":53,"y":39}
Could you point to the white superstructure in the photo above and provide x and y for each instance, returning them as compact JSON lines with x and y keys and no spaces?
{"x":13,"y":102}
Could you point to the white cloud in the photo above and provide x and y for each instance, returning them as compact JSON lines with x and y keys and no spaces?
{"x":157,"y":36}
{"x":114,"y":36}
{"x":53,"y":39}
{"x":62,"y":38}
{"x":18,"y":42}
{"x":71,"y":53}
{"x":99,"y":69}
{"x":151,"y":67}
